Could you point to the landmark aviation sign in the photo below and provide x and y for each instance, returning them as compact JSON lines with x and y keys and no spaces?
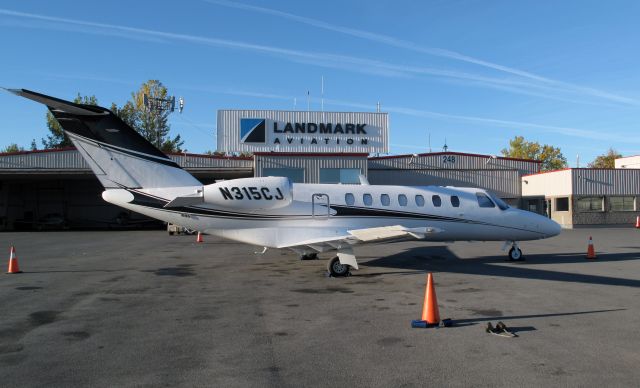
{"x":284,"y":131}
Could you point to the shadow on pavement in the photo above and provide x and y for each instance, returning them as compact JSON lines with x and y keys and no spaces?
{"x":441,"y":259}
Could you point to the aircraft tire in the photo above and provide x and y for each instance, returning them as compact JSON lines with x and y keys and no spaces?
{"x":336,"y":269}
{"x":515,"y":254}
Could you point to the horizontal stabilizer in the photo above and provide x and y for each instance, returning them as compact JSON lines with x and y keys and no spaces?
{"x":59,"y":104}
{"x":187,"y":200}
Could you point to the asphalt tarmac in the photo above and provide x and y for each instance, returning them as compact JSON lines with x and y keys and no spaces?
{"x":105,"y":309}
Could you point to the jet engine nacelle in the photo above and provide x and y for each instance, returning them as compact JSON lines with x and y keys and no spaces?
{"x":250,"y":193}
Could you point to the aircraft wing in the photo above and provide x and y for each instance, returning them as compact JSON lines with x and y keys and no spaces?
{"x":360,"y":236}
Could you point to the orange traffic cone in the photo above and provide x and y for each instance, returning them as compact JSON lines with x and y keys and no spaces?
{"x":638,"y":222}
{"x":591,"y":254}
{"x":199,"y":238}
{"x":13,"y":262}
{"x":430,"y":312}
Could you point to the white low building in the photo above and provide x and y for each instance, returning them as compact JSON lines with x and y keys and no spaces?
{"x":577,"y":197}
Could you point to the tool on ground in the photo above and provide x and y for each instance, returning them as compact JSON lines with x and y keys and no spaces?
{"x":430,"y":312}
{"x":501,"y":329}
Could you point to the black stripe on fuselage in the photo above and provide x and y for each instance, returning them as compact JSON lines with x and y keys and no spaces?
{"x":151,"y":201}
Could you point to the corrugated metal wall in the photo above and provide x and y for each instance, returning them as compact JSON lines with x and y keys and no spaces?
{"x":453,"y":161}
{"x":505,"y":183}
{"x":311,"y":164}
{"x":54,"y":160}
{"x":71,"y":160}
{"x":377,"y":128}
{"x":499,"y":175}
{"x":606,"y":181}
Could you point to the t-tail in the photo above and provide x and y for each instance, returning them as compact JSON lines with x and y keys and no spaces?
{"x":118,"y":155}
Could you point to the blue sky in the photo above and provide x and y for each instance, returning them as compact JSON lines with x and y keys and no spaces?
{"x":474,"y":72}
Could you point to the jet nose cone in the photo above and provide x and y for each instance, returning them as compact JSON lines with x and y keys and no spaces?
{"x":551,"y":228}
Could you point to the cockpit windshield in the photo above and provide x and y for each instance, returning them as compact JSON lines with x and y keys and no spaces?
{"x":501,"y":204}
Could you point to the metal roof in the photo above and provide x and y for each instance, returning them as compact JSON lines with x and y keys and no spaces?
{"x":69,"y":161}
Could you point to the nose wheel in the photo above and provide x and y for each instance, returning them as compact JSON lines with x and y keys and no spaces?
{"x":515,"y":253}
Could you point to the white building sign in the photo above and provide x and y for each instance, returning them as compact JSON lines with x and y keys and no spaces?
{"x":295,"y":131}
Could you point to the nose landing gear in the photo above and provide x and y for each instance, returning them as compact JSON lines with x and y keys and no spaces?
{"x":515,"y":253}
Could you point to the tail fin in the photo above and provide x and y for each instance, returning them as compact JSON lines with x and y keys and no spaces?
{"x":117,"y":154}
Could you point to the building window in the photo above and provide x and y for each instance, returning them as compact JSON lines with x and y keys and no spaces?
{"x":419,"y":200}
{"x":484,"y":201}
{"x":455,"y":201}
{"x":367,"y":199}
{"x":437,"y":202}
{"x":349,"y":199}
{"x":402,"y":200}
{"x":562,"y":204}
{"x":385,"y":200}
{"x":296,"y":175}
{"x":622,"y":204}
{"x":340,"y":175}
{"x":590,"y":204}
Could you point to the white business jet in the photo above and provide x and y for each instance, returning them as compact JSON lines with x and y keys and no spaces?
{"x":271,"y":212}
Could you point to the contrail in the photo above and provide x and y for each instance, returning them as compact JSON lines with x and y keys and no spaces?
{"x":399,"y":43}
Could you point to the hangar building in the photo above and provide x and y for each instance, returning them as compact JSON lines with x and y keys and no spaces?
{"x":56,"y":188}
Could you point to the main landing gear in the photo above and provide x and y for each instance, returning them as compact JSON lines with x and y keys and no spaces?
{"x":515,"y":253}
{"x":336,"y":269}
{"x":309,"y":256}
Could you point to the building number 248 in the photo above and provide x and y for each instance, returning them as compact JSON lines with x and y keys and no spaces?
{"x":448,"y":159}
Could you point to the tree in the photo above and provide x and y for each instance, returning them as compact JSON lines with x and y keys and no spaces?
{"x":128,"y":113}
{"x":606,"y":160}
{"x":13,"y":147}
{"x":57,"y":138}
{"x":551,"y":157}
{"x":152,"y":125}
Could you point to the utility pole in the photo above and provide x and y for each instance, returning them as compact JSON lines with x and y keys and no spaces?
{"x":158,"y":105}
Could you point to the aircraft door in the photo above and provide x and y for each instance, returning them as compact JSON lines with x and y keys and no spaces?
{"x":320,"y":206}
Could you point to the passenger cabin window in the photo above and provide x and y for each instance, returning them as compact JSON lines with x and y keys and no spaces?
{"x":402,"y":200}
{"x":419,"y":200}
{"x":349,"y":199}
{"x":367,"y":199}
{"x":455,"y":201}
{"x":484,"y":201}
{"x":385,"y":200}
{"x":437,"y":202}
